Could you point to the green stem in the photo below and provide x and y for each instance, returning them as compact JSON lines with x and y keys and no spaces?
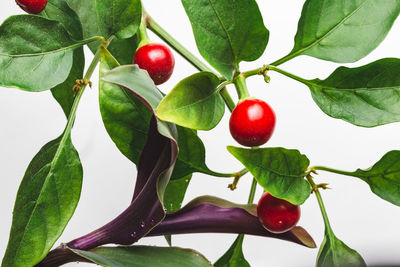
{"x":241,"y":87}
{"x":88,"y":75}
{"x":265,"y":68}
{"x":250,"y":73}
{"x":223,"y":84}
{"x":284,"y":59}
{"x":252,"y":191}
{"x":328,"y":227}
{"x":142,"y":33}
{"x":166,"y":37}
{"x":227,"y":175}
{"x":323,"y":168}
{"x":288,"y":74}
{"x":228,"y":99}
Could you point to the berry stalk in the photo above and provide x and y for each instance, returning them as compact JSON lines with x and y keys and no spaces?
{"x":186,"y":54}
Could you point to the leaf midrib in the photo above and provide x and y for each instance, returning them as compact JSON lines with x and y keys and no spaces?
{"x":279,"y":174}
{"x":317,"y":41}
{"x":204,"y":99}
{"x":70,"y":47}
{"x":50,"y":172}
{"x":321,"y":86}
{"x":225,"y":30}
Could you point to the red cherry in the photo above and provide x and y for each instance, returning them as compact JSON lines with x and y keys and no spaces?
{"x":157,"y":59}
{"x":32,"y":6}
{"x":277,"y":215}
{"x":252,"y":122}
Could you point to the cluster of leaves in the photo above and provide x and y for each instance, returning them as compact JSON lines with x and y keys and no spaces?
{"x":158,"y":133}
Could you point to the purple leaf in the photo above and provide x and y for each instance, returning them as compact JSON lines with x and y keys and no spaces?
{"x":209,"y":214}
{"x":154,"y":169}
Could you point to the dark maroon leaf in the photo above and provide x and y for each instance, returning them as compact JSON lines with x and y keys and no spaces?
{"x":209,"y":214}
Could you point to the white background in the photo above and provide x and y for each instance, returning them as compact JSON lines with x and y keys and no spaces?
{"x":361,"y":219}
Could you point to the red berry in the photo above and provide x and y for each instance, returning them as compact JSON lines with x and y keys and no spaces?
{"x":32,"y":6}
{"x":252,"y":122}
{"x":277,"y":215}
{"x":157,"y":59}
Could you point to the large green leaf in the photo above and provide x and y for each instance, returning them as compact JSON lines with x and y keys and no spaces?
{"x":227,"y":32}
{"x":60,"y":11}
{"x":125,"y":117}
{"x":142,"y":256}
{"x":122,"y":49}
{"x":194,"y":102}
{"x":46,"y":200}
{"x":36,"y":54}
{"x":343,"y":31}
{"x":278,"y":170}
{"x":118,"y":17}
{"x":234,"y":256}
{"x":334,"y":253}
{"x":365,"y":96}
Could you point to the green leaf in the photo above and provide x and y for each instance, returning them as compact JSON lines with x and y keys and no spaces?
{"x":227,"y":32}
{"x":366,"y":96}
{"x":175,"y":192}
{"x":234,"y":256}
{"x":194,"y":103}
{"x":118,"y":17}
{"x":36,"y":54}
{"x":383,"y":177}
{"x":174,"y":195}
{"x":278,"y":170}
{"x":122,"y":49}
{"x":125,"y":117}
{"x":60,"y":11}
{"x":46,"y":200}
{"x":191,"y":156}
{"x":140,"y":256}
{"x":85,"y":11}
{"x":343,"y":31}
{"x":334,"y":253}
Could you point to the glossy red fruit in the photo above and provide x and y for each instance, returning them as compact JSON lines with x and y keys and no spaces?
{"x":32,"y":6}
{"x":252,"y":122}
{"x":157,"y":59}
{"x":277,"y":215}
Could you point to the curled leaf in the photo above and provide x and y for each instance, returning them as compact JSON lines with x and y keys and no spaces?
{"x":209,"y":214}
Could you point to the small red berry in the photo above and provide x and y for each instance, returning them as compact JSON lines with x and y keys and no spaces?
{"x":32,"y":6}
{"x":157,"y":59}
{"x":252,"y":122}
{"x":277,"y":215}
